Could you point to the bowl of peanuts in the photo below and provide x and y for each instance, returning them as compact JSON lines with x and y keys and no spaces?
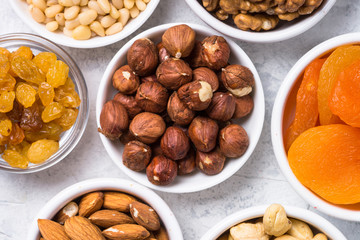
{"x":261,"y":21}
{"x":84,"y":23}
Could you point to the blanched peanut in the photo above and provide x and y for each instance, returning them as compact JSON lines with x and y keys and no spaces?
{"x":118,"y":3}
{"x":51,"y":3}
{"x":76,"y":2}
{"x":81,"y":33}
{"x":300,"y":230}
{"x":52,"y":26}
{"x":51,"y":11}
{"x":140,"y":5}
{"x":37,"y":14}
{"x":84,"y":3}
{"x":66,"y":3}
{"x":124,"y":16}
{"x":67,"y":32}
{"x":275,"y":220}
{"x":104,"y":5}
{"x":71,"y":12}
{"x":115,"y":28}
{"x":134,"y":12}
{"x":94,"y":5}
{"x":60,"y":19}
{"x":97,"y":28}
{"x":71,"y":24}
{"x":41,"y":4}
{"x":320,"y":236}
{"x":114,"y":13}
{"x":84,"y":9}
{"x":129,"y":4}
{"x":87,"y":17}
{"x":107,"y":21}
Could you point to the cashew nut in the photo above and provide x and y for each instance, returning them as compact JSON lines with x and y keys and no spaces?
{"x":285,"y":237}
{"x":275,"y":220}
{"x":300,"y":230}
{"x":248,"y":231}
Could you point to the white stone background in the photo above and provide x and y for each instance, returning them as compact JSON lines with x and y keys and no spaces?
{"x":258,"y":182}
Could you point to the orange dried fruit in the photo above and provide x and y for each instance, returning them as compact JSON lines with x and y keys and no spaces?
{"x":57,"y":74}
{"x":326,"y":159}
{"x":41,"y":150}
{"x":51,"y":112}
{"x":4,"y":51}
{"x":6,"y":101}
{"x":22,"y":51}
{"x":306,"y":113}
{"x":7,"y":82}
{"x":344,"y":99}
{"x":4,"y":63}
{"x":44,"y":61}
{"x":46,"y":93}
{"x":26,"y":70}
{"x":15,"y":159}
{"x":25,"y":94}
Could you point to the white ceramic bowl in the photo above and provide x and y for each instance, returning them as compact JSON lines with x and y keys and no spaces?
{"x":21,"y":9}
{"x":307,"y":216}
{"x":113,"y":184}
{"x":196,"y":181}
{"x":278,"y":126}
{"x":285,"y":30}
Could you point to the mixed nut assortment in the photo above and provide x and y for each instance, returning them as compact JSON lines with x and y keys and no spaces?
{"x":258,"y":15}
{"x":275,"y":225}
{"x":83,"y":19}
{"x":104,"y":215}
{"x":175,"y":104}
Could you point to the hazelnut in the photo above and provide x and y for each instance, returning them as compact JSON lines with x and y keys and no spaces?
{"x":238,"y":79}
{"x":151,"y":78}
{"x":216,"y":52}
{"x":203,"y":132}
{"x":179,"y":40}
{"x":173,"y":73}
{"x":243,"y":106}
{"x":207,"y":75}
{"x":196,"y":95}
{"x":233,"y":141}
{"x":161,"y":171}
{"x":152,"y":97}
{"x":142,"y":57}
{"x":125,"y":80}
{"x":127,"y":137}
{"x":163,"y":53}
{"x":174,"y":143}
{"x":210,"y":163}
{"x":156,"y":149}
{"x":187,"y":164}
{"x":113,"y":119}
{"x":147,"y":127}
{"x":136,"y":155}
{"x":222,"y":106}
{"x":178,"y":112}
{"x":129,"y":104}
{"x":195,"y":59}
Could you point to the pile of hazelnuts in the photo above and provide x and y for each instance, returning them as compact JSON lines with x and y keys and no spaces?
{"x":175,"y":104}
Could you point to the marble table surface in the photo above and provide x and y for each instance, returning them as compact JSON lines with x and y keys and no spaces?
{"x":260,"y":181}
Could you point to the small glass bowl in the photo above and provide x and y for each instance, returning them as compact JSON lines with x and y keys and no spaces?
{"x":71,"y":137}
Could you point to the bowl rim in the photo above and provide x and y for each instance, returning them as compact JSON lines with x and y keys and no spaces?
{"x":261,"y":37}
{"x":116,"y":184}
{"x":277,"y":131}
{"x":257,"y":211}
{"x":93,"y":42}
{"x":114,"y":62}
{"x":82,"y":90}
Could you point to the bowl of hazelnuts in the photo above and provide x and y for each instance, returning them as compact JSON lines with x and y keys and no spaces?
{"x":180,"y":108}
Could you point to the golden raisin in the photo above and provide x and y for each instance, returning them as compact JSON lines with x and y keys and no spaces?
{"x":68,"y":97}
{"x":53,"y":111}
{"x":49,"y":130}
{"x":4,"y":63}
{"x":2,"y":149}
{"x":4,"y":51}
{"x":44,"y":61}
{"x":22,"y":51}
{"x":26,"y":70}
{"x":30,"y":119}
{"x":17,"y":134}
{"x":57,"y":74}
{"x":46,"y":93}
{"x":67,"y":120}
{"x":5,"y":125}
{"x":7,"y":82}
{"x":6,"y":101}
{"x":41,"y":150}
{"x":69,"y":83}
{"x":25,"y":94}
{"x":4,"y":140}
{"x":15,"y":159}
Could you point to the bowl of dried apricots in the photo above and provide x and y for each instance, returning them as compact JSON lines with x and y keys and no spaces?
{"x":316,"y":127}
{"x":43,"y":103}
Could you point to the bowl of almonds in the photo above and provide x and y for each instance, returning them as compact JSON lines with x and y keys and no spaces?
{"x":105,"y":209}
{"x":84,"y":23}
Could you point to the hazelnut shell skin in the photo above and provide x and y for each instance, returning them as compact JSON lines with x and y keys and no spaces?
{"x":151,"y":78}
{"x":113,"y":119}
{"x":142,"y":57}
{"x":222,"y":107}
{"x":238,"y":79}
{"x":125,"y":80}
{"x":136,"y":155}
{"x":233,"y":141}
{"x":179,"y":40}
{"x":210,"y":163}
{"x":243,"y":106}
{"x":152,"y":97}
{"x":178,"y":111}
{"x":129,"y":103}
{"x":207,"y":75}
{"x":173,"y":73}
{"x":127,"y":137}
{"x":216,"y":52}
{"x":195,"y":59}
{"x":187,"y":165}
{"x":196,"y":95}
{"x":147,"y":127}
{"x":174,"y":143}
{"x":163,"y":53}
{"x":203,"y":133}
{"x":161,"y":170}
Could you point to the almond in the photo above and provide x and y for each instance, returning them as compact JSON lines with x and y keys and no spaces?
{"x":126,"y":232}
{"x":145,"y":216}
{"x":109,"y":218}
{"x":80,"y":228}
{"x":90,"y":203}
{"x":118,"y":201}
{"x":161,"y":234}
{"x":51,"y":230}
{"x":70,"y":210}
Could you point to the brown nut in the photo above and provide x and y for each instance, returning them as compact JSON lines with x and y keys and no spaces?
{"x":233,"y":141}
{"x":151,"y":78}
{"x":216,"y":52}
{"x":187,"y":164}
{"x":163,"y":53}
{"x":196,"y":95}
{"x":203,"y":132}
{"x":195,"y":59}
{"x":238,"y":79}
{"x":173,"y":73}
{"x":145,"y":216}
{"x":136,"y":155}
{"x":147,"y":127}
{"x":90,"y":203}
{"x":152,"y":97}
{"x":129,"y":104}
{"x":179,"y":40}
{"x":113,"y":119}
{"x":142,"y":57}
{"x":161,"y":171}
{"x":178,"y":111}
{"x":210,"y":163}
{"x":71,"y":209}
{"x":127,"y":137}
{"x":243,"y":106}
{"x":210,"y":5}
{"x":125,"y":80}
{"x":156,"y":149}
{"x":207,"y":75}
{"x":174,"y":143}
{"x":222,"y":106}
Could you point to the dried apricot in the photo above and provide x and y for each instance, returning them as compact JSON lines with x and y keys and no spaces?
{"x":44,"y":61}
{"x":68,"y":97}
{"x":17,"y":134}
{"x":15,"y":159}
{"x":326,"y":159}
{"x":46,"y":93}
{"x":31,"y":118}
{"x":49,"y":130}
{"x":6,"y":101}
{"x":7,"y":82}
{"x":41,"y":150}
{"x":53,"y":111}
{"x":57,"y":74}
{"x":25,"y":94}
{"x":5,"y":125}
{"x":67,"y":120}
{"x":26,"y":70}
{"x":4,"y":64}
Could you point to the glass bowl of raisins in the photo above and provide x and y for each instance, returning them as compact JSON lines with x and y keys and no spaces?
{"x":44,"y":104}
